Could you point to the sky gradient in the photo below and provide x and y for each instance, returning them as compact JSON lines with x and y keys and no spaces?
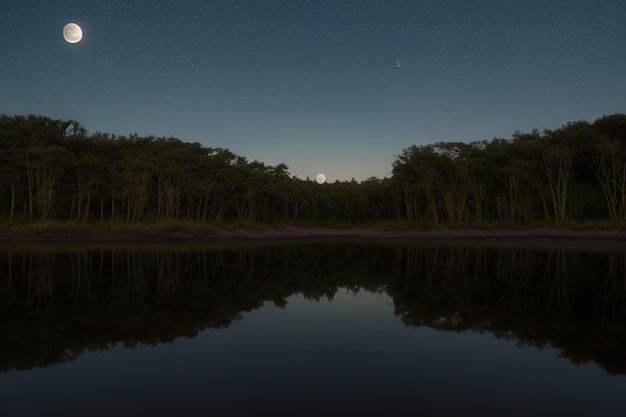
{"x":330,"y":86}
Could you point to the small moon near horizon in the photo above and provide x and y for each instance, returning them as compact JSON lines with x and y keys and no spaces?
{"x":320,"y":179}
{"x":72,"y":33}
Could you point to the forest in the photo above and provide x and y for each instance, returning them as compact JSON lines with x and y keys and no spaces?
{"x":56,"y":171}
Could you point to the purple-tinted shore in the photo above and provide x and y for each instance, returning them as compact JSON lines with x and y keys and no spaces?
{"x":298,"y":233}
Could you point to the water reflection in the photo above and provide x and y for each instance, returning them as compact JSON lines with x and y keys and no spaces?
{"x":58,"y":303}
{"x":571,"y":299}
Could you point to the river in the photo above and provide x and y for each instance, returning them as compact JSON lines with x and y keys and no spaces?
{"x":313,"y":328}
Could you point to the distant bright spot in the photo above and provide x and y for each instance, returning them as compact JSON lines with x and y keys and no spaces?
{"x":72,"y":33}
{"x":320,"y":179}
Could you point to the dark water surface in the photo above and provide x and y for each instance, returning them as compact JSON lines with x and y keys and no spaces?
{"x":315,"y":328}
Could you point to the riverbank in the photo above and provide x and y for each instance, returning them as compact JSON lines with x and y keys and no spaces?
{"x":542,"y":234}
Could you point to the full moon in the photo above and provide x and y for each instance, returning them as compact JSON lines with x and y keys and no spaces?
{"x":72,"y":33}
{"x":320,"y":179}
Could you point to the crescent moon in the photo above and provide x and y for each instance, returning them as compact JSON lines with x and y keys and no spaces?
{"x":72,"y":33}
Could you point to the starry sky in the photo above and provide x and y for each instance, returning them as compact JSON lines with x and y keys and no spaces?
{"x":332,"y":86}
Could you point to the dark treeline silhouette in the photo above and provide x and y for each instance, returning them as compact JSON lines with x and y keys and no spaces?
{"x":58,"y":302}
{"x":54,"y":170}
{"x":574,"y":173}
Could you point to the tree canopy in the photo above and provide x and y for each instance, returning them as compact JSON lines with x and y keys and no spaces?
{"x":56,"y":170}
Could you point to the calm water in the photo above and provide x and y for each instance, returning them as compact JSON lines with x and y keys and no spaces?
{"x":324,"y":328}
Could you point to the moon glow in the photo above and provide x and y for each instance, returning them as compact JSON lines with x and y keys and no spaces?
{"x":72,"y":33}
{"x":320,"y":179}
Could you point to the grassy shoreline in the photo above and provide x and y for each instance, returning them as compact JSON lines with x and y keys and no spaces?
{"x":181,"y":226}
{"x":190,"y":232}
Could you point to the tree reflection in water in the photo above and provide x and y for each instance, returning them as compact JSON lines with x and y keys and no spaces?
{"x":58,"y":302}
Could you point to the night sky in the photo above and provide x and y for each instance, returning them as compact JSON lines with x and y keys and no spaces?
{"x":329,"y":86}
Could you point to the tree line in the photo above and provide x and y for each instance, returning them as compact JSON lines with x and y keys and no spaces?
{"x":55,"y":170}
{"x":574,"y":173}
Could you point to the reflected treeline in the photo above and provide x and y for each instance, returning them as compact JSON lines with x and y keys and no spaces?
{"x":571,"y":299}
{"x":54,"y":304}
{"x":58,"y":303}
